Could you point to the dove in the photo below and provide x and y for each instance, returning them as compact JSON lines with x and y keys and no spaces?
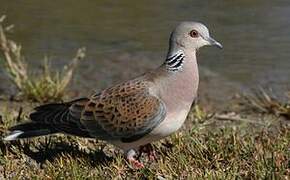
{"x":134,"y":113}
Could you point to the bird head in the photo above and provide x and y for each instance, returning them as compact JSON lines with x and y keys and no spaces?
{"x":192,"y":35}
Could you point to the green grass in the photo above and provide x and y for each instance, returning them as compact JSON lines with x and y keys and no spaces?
{"x":201,"y":150}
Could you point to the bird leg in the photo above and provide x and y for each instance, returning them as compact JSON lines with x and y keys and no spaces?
{"x":148,"y":149}
{"x":131,"y":158}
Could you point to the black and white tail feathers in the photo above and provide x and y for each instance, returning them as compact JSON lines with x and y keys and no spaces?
{"x":46,"y":119}
{"x":27,"y":130}
{"x":40,"y":122}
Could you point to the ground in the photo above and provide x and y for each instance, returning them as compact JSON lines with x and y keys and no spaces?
{"x":235,"y":142}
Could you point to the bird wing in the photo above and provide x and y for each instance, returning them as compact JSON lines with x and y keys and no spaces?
{"x":126,"y":111}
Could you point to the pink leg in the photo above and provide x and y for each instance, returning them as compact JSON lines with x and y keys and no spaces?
{"x":148,"y":149}
{"x":130,"y":155}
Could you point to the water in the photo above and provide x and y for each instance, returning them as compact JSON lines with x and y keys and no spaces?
{"x":127,"y":37}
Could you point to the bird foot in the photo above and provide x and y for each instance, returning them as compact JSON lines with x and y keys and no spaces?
{"x":152,"y":156}
{"x":130,"y":155}
{"x":148,"y":149}
{"x":135,"y":163}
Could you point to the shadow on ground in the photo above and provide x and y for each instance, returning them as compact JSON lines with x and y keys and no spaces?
{"x":50,"y":151}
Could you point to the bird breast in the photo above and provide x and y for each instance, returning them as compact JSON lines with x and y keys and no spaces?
{"x":178,"y":92}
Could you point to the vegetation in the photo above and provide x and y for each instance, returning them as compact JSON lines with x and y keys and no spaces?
{"x":212,"y":145}
{"x":250,"y":141}
{"x":47,"y":85}
{"x":264,"y":102}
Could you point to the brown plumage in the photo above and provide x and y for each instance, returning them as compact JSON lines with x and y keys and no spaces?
{"x":126,"y":111}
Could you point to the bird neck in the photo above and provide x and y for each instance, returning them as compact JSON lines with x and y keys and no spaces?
{"x":178,"y":89}
{"x":174,"y":61}
{"x":183,"y":67}
{"x":180,"y":60}
{"x":175,"y":57}
{"x":181,"y":81}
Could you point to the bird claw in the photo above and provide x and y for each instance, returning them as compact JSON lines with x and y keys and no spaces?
{"x":135,"y":163}
{"x":148,"y":149}
{"x":132,"y":160}
{"x":152,"y":156}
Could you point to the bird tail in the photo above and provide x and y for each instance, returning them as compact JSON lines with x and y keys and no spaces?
{"x":27,"y":130}
{"x":41,"y":122}
{"x":49,"y":119}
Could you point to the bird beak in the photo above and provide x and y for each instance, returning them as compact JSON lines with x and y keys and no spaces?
{"x":213,"y":42}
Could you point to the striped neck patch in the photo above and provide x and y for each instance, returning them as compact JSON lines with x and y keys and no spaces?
{"x":175,"y":62}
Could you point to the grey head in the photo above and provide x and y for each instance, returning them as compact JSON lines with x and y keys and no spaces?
{"x":191,"y":35}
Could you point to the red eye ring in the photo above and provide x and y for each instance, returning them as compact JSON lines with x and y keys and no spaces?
{"x":194,"y":33}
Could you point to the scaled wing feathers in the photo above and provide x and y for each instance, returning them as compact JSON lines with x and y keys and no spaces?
{"x":126,"y":111}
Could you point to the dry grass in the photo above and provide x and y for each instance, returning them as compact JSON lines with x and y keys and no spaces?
{"x":265,"y":102}
{"x":198,"y":152}
{"x":42,"y":87}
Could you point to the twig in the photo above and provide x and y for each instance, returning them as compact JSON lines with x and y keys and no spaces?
{"x":2,"y":18}
{"x":15,"y":63}
{"x":18,"y":119}
{"x":81,"y":53}
{"x":230,"y":118}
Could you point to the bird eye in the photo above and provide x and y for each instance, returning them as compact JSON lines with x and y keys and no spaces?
{"x":194,"y":33}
